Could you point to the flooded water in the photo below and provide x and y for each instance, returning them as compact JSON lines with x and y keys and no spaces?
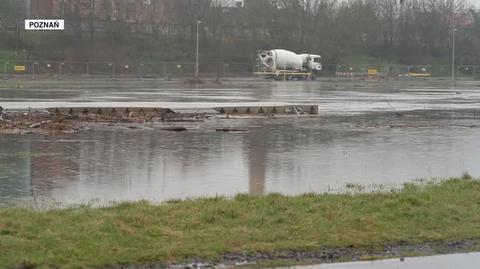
{"x":334,"y":97}
{"x":353,"y":141}
{"x":452,"y":261}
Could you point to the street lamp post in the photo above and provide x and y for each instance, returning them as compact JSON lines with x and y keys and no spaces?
{"x":453,"y":53}
{"x":197,"y":76}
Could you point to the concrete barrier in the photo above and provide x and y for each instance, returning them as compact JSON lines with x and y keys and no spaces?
{"x":230,"y":110}
{"x":108,"y":110}
{"x":271,"y":110}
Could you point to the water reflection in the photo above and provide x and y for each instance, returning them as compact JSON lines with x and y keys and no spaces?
{"x":289,"y":156}
{"x":15,"y":179}
{"x":257,"y":159}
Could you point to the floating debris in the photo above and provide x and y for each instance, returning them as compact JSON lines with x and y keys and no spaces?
{"x":227,"y":130}
{"x":175,"y":129}
{"x":53,"y":123}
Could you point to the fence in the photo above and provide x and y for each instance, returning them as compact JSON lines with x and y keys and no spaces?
{"x":392,"y":71}
{"x":172,"y":70}
{"x":163,"y":70}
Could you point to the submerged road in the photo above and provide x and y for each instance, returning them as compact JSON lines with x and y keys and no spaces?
{"x":333,"y":97}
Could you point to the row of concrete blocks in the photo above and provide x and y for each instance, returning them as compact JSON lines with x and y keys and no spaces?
{"x":270,"y":110}
{"x":283,"y":109}
{"x":108,"y":110}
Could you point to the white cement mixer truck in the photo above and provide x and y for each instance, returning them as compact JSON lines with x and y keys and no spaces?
{"x":282,"y":64}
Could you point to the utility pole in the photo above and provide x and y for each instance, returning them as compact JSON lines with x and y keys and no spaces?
{"x":453,"y":53}
{"x":197,"y":76}
{"x":17,"y":34}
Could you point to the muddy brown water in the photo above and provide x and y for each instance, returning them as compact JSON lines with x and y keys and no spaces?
{"x":375,"y":136}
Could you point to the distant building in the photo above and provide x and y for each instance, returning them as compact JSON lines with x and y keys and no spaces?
{"x":463,"y":20}
{"x":44,"y":8}
{"x":228,"y":3}
{"x":132,"y":11}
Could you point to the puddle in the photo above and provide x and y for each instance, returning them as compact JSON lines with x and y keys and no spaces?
{"x":452,"y":261}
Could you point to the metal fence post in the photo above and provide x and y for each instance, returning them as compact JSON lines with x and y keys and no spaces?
{"x":33,"y":70}
{"x":140,"y":71}
{"x":164,"y":70}
{"x":5,"y":70}
{"x":113,"y":69}
{"x":87,"y":68}
{"x":61,"y":70}
{"x":217,"y":73}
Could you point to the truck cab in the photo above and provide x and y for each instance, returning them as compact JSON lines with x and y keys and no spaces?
{"x":283,"y":64}
{"x":312,"y":62}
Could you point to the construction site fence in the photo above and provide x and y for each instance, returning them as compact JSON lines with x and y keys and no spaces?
{"x":172,"y":70}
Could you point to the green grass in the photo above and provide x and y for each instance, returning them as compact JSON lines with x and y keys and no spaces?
{"x":8,"y":60}
{"x":12,"y":55}
{"x":363,"y":60}
{"x":6,"y":55}
{"x":137,"y":233}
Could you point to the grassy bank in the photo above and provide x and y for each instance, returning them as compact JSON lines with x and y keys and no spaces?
{"x":137,"y":233}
